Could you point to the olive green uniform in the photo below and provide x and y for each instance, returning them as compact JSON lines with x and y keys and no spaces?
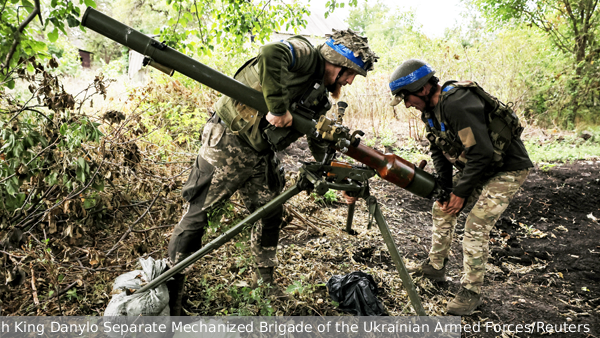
{"x":490,"y":187}
{"x":235,"y":161}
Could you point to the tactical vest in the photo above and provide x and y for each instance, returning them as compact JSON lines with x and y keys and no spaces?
{"x":502,"y":123}
{"x":245,"y":121}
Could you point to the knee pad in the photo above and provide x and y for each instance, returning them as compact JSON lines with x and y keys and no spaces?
{"x":270,"y":228}
{"x":187,"y":236}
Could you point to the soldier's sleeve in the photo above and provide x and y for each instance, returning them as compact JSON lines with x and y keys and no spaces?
{"x":465,"y":112}
{"x":442,"y":166}
{"x":277,"y":65}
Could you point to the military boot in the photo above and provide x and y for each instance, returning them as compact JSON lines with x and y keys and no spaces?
{"x":176,"y":287}
{"x":425,"y":269}
{"x":266,"y":275}
{"x":465,"y":302}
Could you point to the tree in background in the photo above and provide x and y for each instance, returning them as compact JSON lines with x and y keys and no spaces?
{"x":572,"y":26}
{"x":387,"y":28}
{"x":21,"y":36}
{"x":380,"y":20}
{"x":197,"y":26}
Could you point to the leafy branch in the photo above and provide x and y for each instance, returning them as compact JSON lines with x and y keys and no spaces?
{"x":17,"y":35}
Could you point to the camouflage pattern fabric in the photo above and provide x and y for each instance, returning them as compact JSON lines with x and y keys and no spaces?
{"x":492,"y":198}
{"x":359,"y":45}
{"x":237,"y":167}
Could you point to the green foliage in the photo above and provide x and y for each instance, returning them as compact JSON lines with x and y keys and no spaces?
{"x":67,"y":56}
{"x":328,"y":199}
{"x":105,"y":50}
{"x":387,"y":138}
{"x":19,"y":32}
{"x":547,"y":167}
{"x":562,"y":150}
{"x":331,"y":5}
{"x":251,"y":302}
{"x":224,"y":209}
{"x":570,"y":95}
{"x":297,"y":287}
{"x":571,"y":24}
{"x":381,"y":23}
{"x":72,"y":294}
{"x":116,"y":67}
{"x":176,"y":110}
{"x":41,"y":149}
{"x":412,"y":151}
{"x":302,"y":290}
{"x":199,"y":26}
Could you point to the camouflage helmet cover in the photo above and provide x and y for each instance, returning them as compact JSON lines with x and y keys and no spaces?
{"x":409,"y":77}
{"x":347,"y":49}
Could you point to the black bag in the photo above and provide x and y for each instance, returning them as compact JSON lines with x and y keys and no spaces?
{"x":356,"y":293}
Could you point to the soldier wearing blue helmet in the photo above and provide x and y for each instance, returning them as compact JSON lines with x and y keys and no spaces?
{"x":474,"y":132}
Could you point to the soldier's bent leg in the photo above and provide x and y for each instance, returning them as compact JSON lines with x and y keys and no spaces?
{"x":187,"y":235}
{"x":185,"y":240}
{"x":441,"y":238}
{"x":265,"y":237}
{"x":443,"y":228}
{"x":494,"y":199}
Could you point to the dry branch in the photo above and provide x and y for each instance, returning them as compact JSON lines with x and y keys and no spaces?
{"x":134,"y":223}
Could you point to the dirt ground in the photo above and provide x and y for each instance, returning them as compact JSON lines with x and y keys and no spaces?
{"x":544,"y":253}
{"x":544,"y":266}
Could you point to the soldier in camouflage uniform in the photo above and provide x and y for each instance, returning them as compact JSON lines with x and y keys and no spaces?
{"x":493,"y":163}
{"x":235,"y":154}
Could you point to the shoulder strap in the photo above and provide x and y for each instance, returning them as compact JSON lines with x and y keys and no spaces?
{"x":289,"y":45}
{"x":248,"y":63}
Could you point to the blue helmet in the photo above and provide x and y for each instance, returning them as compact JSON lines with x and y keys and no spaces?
{"x":409,"y":77}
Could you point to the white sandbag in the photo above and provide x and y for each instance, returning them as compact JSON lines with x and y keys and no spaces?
{"x":154,"y":302}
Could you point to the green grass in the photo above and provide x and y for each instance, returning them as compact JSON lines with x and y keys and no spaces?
{"x":563,"y":151}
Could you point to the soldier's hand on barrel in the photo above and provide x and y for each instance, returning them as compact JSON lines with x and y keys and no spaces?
{"x":454,"y":205}
{"x":280,"y":121}
{"x":349,"y":199}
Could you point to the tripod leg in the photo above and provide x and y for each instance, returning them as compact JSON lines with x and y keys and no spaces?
{"x":224,"y":238}
{"x":351,"y":208}
{"x":397,"y":258}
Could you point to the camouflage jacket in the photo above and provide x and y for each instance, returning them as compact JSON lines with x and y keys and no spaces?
{"x":283,"y":75}
{"x":283,"y":71}
{"x":465,"y":115}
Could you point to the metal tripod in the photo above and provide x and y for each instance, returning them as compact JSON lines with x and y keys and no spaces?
{"x":319,"y":178}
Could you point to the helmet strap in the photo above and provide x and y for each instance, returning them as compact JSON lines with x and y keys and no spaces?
{"x":340,"y":73}
{"x":426,"y":98}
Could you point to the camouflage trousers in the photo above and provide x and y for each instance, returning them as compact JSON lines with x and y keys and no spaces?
{"x":492,"y":198}
{"x":226,"y":164}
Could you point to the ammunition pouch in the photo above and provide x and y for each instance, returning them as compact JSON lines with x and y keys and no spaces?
{"x":450,"y":146}
{"x":241,"y":119}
